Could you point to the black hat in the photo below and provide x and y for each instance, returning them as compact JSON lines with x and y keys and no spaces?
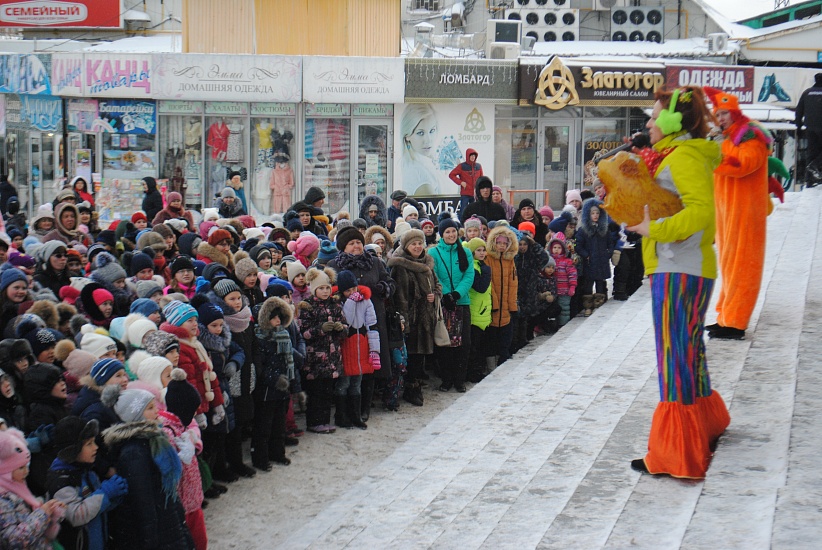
{"x":69,"y":435}
{"x":526,"y":202}
{"x":313,"y":195}
{"x":180,"y":263}
{"x":348,"y":234}
{"x":301,"y":206}
{"x":182,"y":399}
{"x":484,"y":182}
{"x":346,"y":279}
{"x":213,"y":272}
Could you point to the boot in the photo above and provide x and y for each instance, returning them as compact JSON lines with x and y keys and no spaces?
{"x":413,"y":393}
{"x":587,"y":305}
{"x":491,"y":363}
{"x":367,"y":393}
{"x":619,"y":290}
{"x":599,"y":299}
{"x":341,"y":418}
{"x":354,"y":404}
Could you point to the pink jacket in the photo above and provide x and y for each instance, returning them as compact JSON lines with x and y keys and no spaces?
{"x":190,"y":487}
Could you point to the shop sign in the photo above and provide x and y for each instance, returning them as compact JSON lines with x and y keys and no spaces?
{"x":429,"y":80}
{"x":67,"y":74}
{"x":25,"y":74}
{"x":372,"y":109}
{"x":128,"y":117}
{"x":559,"y":84}
{"x":273,"y":109}
{"x":327,"y":109}
{"x":82,"y":116}
{"x":226,"y":108}
{"x":228,"y":77}
{"x":43,"y":14}
{"x":34,"y":112}
{"x":434,"y":206}
{"x":731,"y":79}
{"x":353,"y":79}
{"x":117,"y":75}
{"x":781,"y":87}
{"x":171,"y":107}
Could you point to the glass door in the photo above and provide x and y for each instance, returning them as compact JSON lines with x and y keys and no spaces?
{"x":35,"y":170}
{"x":558,"y":161}
{"x":372,"y":172}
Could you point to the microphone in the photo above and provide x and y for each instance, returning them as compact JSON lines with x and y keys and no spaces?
{"x":639,"y":140}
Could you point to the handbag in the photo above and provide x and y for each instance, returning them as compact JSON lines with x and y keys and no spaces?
{"x":441,"y":336}
{"x":453,"y":324}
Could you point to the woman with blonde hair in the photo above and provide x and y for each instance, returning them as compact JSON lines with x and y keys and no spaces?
{"x":419,"y":129}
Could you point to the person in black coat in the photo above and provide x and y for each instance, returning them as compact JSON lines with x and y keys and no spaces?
{"x":153,"y":200}
{"x":46,"y":393}
{"x":51,"y":270}
{"x":527,"y":212}
{"x":7,"y":191}
{"x":483,"y":206}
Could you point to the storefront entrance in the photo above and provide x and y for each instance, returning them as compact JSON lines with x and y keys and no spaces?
{"x":558,"y":159}
{"x":373,"y":169}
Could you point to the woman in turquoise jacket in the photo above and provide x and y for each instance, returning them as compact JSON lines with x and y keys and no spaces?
{"x":455,"y":272}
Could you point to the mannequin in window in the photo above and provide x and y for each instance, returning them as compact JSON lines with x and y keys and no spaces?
{"x":234,"y":152}
{"x":282,"y":177}
{"x":178,"y":183}
{"x":262,"y":170}
{"x":218,"y":134}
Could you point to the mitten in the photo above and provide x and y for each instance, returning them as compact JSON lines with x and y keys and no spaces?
{"x":456,"y":296}
{"x":218,"y":414}
{"x":185,"y":448}
{"x":339,"y":327}
{"x":448,"y":302}
{"x":114,"y":487}
{"x":547,"y":296}
{"x":328,"y":326}
{"x":374,"y":357}
{"x":201,"y":285}
{"x":202,"y":421}
{"x":231,"y":369}
{"x":356,"y":296}
{"x":39,"y":438}
{"x":302,"y":400}
{"x":615,"y":257}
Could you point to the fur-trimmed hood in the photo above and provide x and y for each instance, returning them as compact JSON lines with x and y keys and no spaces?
{"x":585,"y":225}
{"x":274,"y":307}
{"x":47,"y":311}
{"x":403,"y":259}
{"x":561,"y":242}
{"x":371,"y":231}
{"x":207,"y":251}
{"x":513,"y":246}
{"x":382,"y":215}
{"x":120,"y":433}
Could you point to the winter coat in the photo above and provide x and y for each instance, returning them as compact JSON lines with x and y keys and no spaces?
{"x":61,"y":233}
{"x":447,"y":269}
{"x":480,"y":295}
{"x":486,"y":208}
{"x":168,"y":213}
{"x":86,"y":522}
{"x":89,"y":406}
{"x":467,"y":173}
{"x":274,"y":359}
{"x":207,"y":253}
{"x":371,"y":272}
{"x":151,"y":515}
{"x":44,"y":409}
{"x":362,"y":337}
{"x":221,"y":350}
{"x":393,"y":214}
{"x":504,"y":283}
{"x":152,"y":201}
{"x":323,"y":350}
{"x":24,"y":528}
{"x":7,"y":191}
{"x":415,"y":279}
{"x":595,"y":244}
{"x":529,"y":265}
{"x":510,"y":211}
{"x":539,"y":224}
{"x":382,"y":215}
{"x":190,"y":488}
{"x":229,"y":210}
{"x":565,"y":274}
{"x":199,"y":372}
{"x":808,"y":111}
{"x":46,"y":277}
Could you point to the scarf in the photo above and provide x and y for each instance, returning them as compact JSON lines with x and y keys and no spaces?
{"x":19,"y":488}
{"x":214,"y":342}
{"x":352,"y":262}
{"x":167,"y":461}
{"x":283,"y":340}
{"x":238,"y":322}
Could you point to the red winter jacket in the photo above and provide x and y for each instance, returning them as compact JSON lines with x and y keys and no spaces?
{"x":198,"y":372}
{"x":467,"y":173}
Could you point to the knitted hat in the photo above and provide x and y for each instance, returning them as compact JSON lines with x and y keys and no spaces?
{"x":245,"y":268}
{"x":409,"y":209}
{"x":139,"y":215}
{"x":528,"y":226}
{"x":101,"y":295}
{"x":547,"y":213}
{"x":160,"y":342}
{"x":360,"y":223}
{"x":305,"y":245}
{"x":131,"y":404}
{"x":474,"y":244}
{"x":253,"y":233}
{"x":313,"y":195}
{"x":44,"y":211}
{"x":224,"y":287}
{"x":104,"y":369}
{"x":108,"y":269}
{"x":219,"y":235}
{"x":572,"y":195}
{"x":278,"y":288}
{"x":410,"y":236}
{"x":345,"y":280}
{"x":139,"y":262}
{"x":425,"y":222}
{"x":328,"y":251}
{"x":14,"y":453}
{"x":445,"y":223}
{"x":70,"y":434}
{"x":182,"y":399}
{"x":144,"y":307}
{"x":16,"y":259}
{"x":79,"y":362}
{"x":180,"y":263}
{"x":294,"y":225}
{"x":107,"y":237}
{"x":209,"y":313}
{"x":294,"y":269}
{"x":228,"y":193}
{"x":343,"y":223}
{"x":137,"y":331}
{"x":151,"y":370}
{"x":398,"y":195}
{"x":472,"y":222}
{"x":347,"y":235}
{"x":49,"y":249}
{"x":279,"y":233}
{"x":318,"y":278}
{"x":11,"y":276}
{"x":147,"y":289}
{"x":96,"y":344}
{"x":41,"y":339}
{"x":177,"y":313}
{"x":560,"y":223}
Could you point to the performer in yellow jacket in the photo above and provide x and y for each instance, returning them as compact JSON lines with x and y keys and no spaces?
{"x":742,"y":206}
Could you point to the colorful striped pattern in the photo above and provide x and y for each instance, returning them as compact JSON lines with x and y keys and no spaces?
{"x":679,"y":303}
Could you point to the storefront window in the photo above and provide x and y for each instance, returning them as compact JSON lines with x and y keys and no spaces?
{"x":226,"y":137}
{"x":272,"y":141}
{"x":515,"y":154}
{"x":599,"y":135}
{"x":327,"y":153}
{"x":181,"y":149}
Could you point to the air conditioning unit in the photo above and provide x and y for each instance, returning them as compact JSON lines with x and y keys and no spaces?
{"x":548,"y":24}
{"x":502,"y":50}
{"x":501,"y":30}
{"x":607,"y":5}
{"x":717,"y":42}
{"x":638,"y":24}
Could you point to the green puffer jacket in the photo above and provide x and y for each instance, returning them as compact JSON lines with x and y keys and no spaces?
{"x":480,"y":295}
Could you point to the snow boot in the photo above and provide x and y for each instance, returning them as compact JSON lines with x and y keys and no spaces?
{"x":599,"y":299}
{"x":354,"y":404}
{"x":341,"y":417}
{"x":413,"y":393}
{"x":367,"y":393}
{"x":587,"y":305}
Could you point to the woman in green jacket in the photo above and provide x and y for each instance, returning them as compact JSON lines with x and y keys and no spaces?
{"x":480,"y":296}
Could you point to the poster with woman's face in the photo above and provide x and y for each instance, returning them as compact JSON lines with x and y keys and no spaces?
{"x":432,"y":139}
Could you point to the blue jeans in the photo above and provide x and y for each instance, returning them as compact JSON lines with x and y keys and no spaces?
{"x":465,"y":200}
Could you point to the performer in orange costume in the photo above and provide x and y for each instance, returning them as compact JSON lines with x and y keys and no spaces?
{"x":742,"y":206}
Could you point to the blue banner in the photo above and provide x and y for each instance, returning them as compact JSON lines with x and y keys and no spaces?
{"x":25,"y":74}
{"x":125,"y":116}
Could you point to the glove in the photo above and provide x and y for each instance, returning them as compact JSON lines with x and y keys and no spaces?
{"x":231,"y":369}
{"x":114,"y":487}
{"x":218,"y":415}
{"x":202,"y":421}
{"x":339,"y":327}
{"x":374,"y":357}
{"x":615,"y":257}
{"x":448,"y":302}
{"x":328,"y":326}
{"x":456,"y":296}
{"x":356,"y":296}
{"x":186,"y":449}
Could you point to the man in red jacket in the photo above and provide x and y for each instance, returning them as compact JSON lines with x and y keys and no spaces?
{"x":465,"y":175}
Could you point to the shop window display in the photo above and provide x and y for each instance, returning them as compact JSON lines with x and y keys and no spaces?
{"x":327,"y":165}
{"x":599,"y":135}
{"x":181,"y":147}
{"x":226,"y":145}
{"x":273,"y":182}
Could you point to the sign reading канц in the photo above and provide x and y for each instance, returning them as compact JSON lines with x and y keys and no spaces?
{"x":64,"y":14}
